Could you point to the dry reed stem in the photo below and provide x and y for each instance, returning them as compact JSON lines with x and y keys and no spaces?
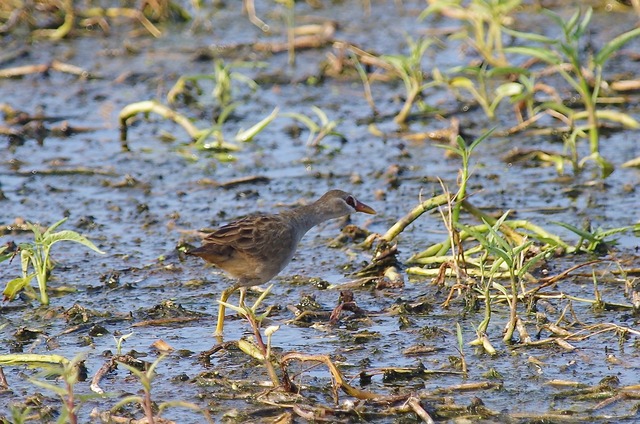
{"x":335,"y":373}
{"x":414,"y":403}
{"x":551,"y":280}
{"x":55,"y":65}
{"x":468,"y":387}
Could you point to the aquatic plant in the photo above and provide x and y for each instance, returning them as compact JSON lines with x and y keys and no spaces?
{"x":36,"y":255}
{"x":68,"y":371}
{"x":488,"y":23}
{"x":593,"y":241}
{"x":19,"y":414}
{"x":566,"y":55}
{"x":69,"y":374}
{"x":210,"y":138}
{"x":482,"y":84}
{"x":517,"y":259}
{"x":464,"y":152}
{"x":485,"y":22}
{"x":223,"y":77}
{"x":65,"y":17}
{"x":145,"y":378}
{"x":479,"y":256}
{"x":258,"y":350}
{"x":290,"y":19}
{"x":317,"y":131}
{"x":409,"y":69}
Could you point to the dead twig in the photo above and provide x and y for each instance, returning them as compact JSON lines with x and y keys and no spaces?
{"x":338,"y":378}
{"x":55,"y":65}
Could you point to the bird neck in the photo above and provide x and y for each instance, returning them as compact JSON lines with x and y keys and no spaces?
{"x":308,"y":216}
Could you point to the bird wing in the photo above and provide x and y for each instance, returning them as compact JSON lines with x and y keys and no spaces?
{"x":256,"y":247}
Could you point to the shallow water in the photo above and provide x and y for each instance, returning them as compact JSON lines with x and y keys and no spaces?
{"x":140,"y":226}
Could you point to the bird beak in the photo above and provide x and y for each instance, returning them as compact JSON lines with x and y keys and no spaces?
{"x":361,"y":207}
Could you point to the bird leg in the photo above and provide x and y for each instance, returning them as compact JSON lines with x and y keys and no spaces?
{"x":221,"y":308}
{"x":243,"y":294}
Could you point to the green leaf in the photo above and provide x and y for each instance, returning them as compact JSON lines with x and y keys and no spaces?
{"x":250,"y":349}
{"x":53,"y":227}
{"x":226,"y":111}
{"x":33,"y":360}
{"x":37,"y":234}
{"x":585,"y":22}
{"x":5,"y":256}
{"x":450,"y":148}
{"x":530,"y":36}
{"x":546,"y":55}
{"x":68,"y":235}
{"x":508,"y":70}
{"x":570,"y":24}
{"x":606,"y":166}
{"x":435,"y":7}
{"x":614,"y":45}
{"x":493,"y":229}
{"x":60,"y":391}
{"x":324,"y":119}
{"x":554,"y":17}
{"x":256,"y":129}
{"x":133,"y":370}
{"x":244,"y":79}
{"x":501,"y":289}
{"x":27,"y":256}
{"x":308,"y":122}
{"x":558,"y":107}
{"x":613,"y":231}
{"x":461,"y":82}
{"x":509,"y":89}
{"x":126,"y":400}
{"x":632,"y":163}
{"x":582,"y":233}
{"x":398,"y":62}
{"x":480,"y":139}
{"x":531,"y":262}
{"x":519,"y":249}
{"x":16,"y":285}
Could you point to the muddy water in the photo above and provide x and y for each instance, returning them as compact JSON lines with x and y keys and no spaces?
{"x":140,"y":224}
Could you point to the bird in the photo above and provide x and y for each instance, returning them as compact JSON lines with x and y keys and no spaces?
{"x":256,"y":248}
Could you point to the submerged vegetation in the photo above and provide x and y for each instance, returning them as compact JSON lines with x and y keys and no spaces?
{"x":514,"y":287}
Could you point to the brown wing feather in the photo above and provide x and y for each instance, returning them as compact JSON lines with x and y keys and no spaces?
{"x":253,"y":249}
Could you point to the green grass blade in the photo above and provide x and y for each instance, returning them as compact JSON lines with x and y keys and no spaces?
{"x":248,"y":135}
{"x":450,"y":148}
{"x":613,"y":231}
{"x":529,"y":36}
{"x":546,"y":55}
{"x":582,"y":233}
{"x":615,"y":45}
{"x":304,"y":119}
{"x":584,"y":24}
{"x":480,"y":139}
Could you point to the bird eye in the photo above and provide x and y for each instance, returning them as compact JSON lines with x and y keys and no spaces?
{"x":351,"y":201}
